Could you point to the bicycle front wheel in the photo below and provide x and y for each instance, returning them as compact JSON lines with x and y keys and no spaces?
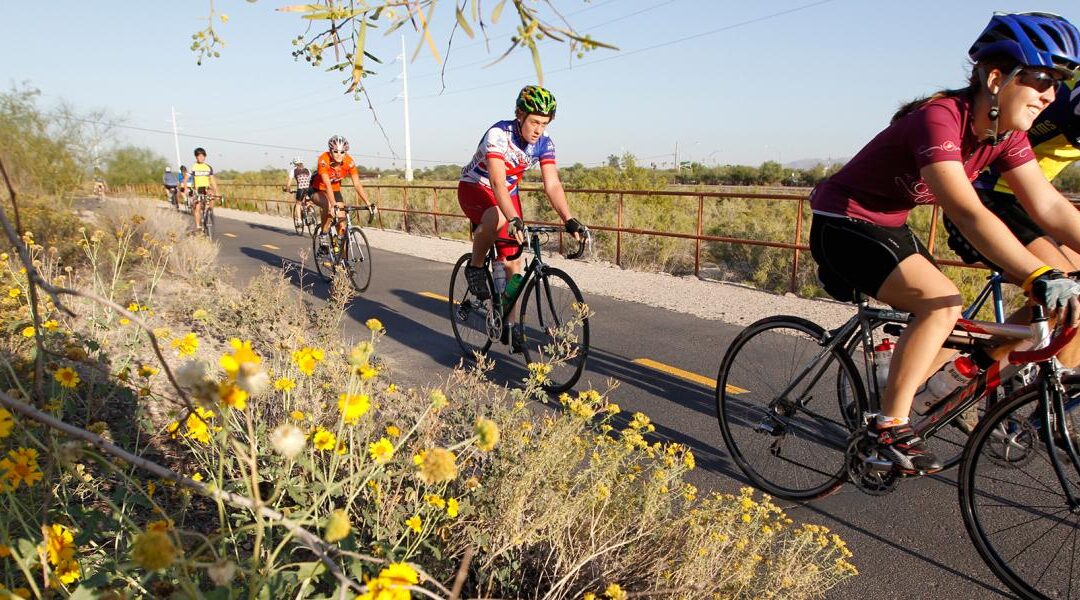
{"x":208,"y":223}
{"x":556,"y":323}
{"x":324,"y":259}
{"x":358,"y":259}
{"x":298,"y":222}
{"x":475,"y":322}
{"x":311,"y":220}
{"x":1012,"y":502}
{"x":783,"y":407}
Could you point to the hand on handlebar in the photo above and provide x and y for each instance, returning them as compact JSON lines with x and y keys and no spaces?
{"x":1060,"y":295}
{"x":515,"y":228}
{"x":577,"y":229}
{"x":373,"y":211}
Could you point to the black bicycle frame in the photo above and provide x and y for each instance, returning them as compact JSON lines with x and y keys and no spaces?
{"x":532,"y":267}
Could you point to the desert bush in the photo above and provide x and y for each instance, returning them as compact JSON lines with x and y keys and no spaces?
{"x":280,"y":428}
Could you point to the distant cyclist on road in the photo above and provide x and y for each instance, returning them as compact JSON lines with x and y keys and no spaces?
{"x":334,"y":165}
{"x":202,"y":180}
{"x":170,"y":182}
{"x":930,"y":153}
{"x":488,"y":189}
{"x":302,"y":176}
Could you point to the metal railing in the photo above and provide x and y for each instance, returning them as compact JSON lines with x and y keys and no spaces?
{"x":419,"y":211}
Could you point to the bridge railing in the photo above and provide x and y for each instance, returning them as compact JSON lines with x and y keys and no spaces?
{"x":737,"y":234}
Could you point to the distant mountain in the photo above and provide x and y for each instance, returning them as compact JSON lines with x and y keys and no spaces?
{"x":810,"y":163}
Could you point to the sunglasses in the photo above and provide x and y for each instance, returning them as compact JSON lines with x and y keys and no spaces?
{"x":1040,"y":81}
{"x":341,"y":152}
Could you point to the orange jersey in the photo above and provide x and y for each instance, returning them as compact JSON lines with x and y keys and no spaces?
{"x":336,"y":170}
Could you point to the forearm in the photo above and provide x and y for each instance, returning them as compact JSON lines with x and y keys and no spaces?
{"x":503,"y":200}
{"x":1062,"y":222}
{"x":994,"y":241}
{"x":557,"y":196}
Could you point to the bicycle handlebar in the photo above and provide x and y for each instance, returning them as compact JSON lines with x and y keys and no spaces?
{"x":1059,"y":341}
{"x":534,"y":229}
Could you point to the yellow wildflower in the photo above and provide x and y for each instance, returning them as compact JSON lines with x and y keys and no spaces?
{"x":151,"y":487}
{"x":538,"y":372}
{"x":67,"y":572}
{"x":688,"y":461}
{"x":438,"y":399}
{"x":324,"y":440}
{"x":59,"y":544}
{"x":66,"y":377}
{"x":438,"y":465}
{"x":21,"y":467}
{"x":51,"y":325}
{"x":391,"y":430}
{"x":28,"y":332}
{"x":487,"y":434}
{"x":7,"y":423}
{"x":125,"y":321}
{"x":414,"y":523}
{"x":353,"y":406}
{"x":639,"y":421}
{"x":381,"y":451}
{"x":337,"y":526}
{"x":452,"y":507}
{"x":197,"y":477}
{"x":399,"y":574}
{"x":242,"y":354}
{"x":284,"y":384}
{"x":374,"y":325}
{"x":186,"y":345}
{"x":153,"y":550}
{"x":133,"y":307}
{"x":435,"y":500}
{"x":199,"y":314}
{"x":147,"y":371}
{"x":307,"y":358}
{"x":14,"y":293}
{"x":297,"y":415}
{"x":232,"y":395}
{"x":367,"y":371}
{"x":614,"y":592}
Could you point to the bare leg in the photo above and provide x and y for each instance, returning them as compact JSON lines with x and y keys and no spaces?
{"x":484,"y":236}
{"x":918,"y":287}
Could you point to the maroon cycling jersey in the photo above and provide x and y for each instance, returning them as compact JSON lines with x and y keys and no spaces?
{"x":881,"y":184}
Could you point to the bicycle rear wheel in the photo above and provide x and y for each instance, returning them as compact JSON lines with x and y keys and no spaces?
{"x":324,"y":261}
{"x":311,"y":219}
{"x":556,"y":323}
{"x":786,"y":429}
{"x":474,"y":321}
{"x":1012,"y":502}
{"x":357,"y":259}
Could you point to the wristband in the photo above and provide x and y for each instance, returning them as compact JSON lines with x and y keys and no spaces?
{"x":1033,"y":276}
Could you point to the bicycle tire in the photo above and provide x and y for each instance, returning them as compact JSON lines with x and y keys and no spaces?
{"x":744,"y":394}
{"x":357,"y":259}
{"x":554,"y":309}
{"x":298,"y":222}
{"x":311,"y":219}
{"x":470,"y":318}
{"x":989,"y":476}
{"x":208,"y":223}
{"x":324,"y":262}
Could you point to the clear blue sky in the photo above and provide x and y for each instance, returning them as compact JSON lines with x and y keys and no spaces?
{"x":729,"y":81}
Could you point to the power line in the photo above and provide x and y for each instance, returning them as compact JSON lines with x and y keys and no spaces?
{"x":247,"y":143}
{"x":640,"y":50}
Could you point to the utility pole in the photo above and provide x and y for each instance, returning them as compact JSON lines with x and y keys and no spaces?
{"x":176,"y":137}
{"x":405,"y":98}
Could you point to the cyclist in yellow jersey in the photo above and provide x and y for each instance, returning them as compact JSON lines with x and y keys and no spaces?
{"x":1040,"y":223}
{"x":202,"y":179}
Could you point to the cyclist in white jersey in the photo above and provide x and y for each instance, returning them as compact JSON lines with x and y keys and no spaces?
{"x":488,"y":188}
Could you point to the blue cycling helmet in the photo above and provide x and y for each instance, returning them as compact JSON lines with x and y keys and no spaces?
{"x":1032,"y":39}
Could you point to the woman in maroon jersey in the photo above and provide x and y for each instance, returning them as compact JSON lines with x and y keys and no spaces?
{"x":931,"y":152}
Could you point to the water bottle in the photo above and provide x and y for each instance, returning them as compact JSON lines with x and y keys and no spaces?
{"x":882,"y":356}
{"x":498,"y":275}
{"x":944,"y":382}
{"x":512,"y":286}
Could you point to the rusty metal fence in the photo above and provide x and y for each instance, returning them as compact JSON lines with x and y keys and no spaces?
{"x":737,"y":234}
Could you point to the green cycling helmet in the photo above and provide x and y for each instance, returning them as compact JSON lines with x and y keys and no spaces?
{"x":535,"y":100}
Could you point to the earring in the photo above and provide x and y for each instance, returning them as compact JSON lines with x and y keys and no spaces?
{"x":994,"y":113}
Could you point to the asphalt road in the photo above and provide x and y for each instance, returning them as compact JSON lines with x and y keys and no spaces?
{"x":910,"y":544}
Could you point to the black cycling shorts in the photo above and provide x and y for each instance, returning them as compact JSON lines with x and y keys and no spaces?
{"x":1007,"y":208}
{"x":856,"y":255}
{"x":302,"y":193}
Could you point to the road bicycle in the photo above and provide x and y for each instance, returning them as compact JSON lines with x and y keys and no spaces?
{"x":552,"y":311}
{"x":785,"y":396}
{"x":308,"y":219}
{"x":170,"y":197}
{"x":207,"y":213}
{"x":348,"y":250}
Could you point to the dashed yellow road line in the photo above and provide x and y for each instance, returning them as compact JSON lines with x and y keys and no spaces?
{"x":232,"y":235}
{"x":270,"y":247}
{"x":687,"y":375}
{"x":435,"y":296}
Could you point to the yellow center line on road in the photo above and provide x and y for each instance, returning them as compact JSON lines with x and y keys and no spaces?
{"x":435,"y":296}
{"x":232,"y":235}
{"x":687,"y":375}
{"x":270,"y":247}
